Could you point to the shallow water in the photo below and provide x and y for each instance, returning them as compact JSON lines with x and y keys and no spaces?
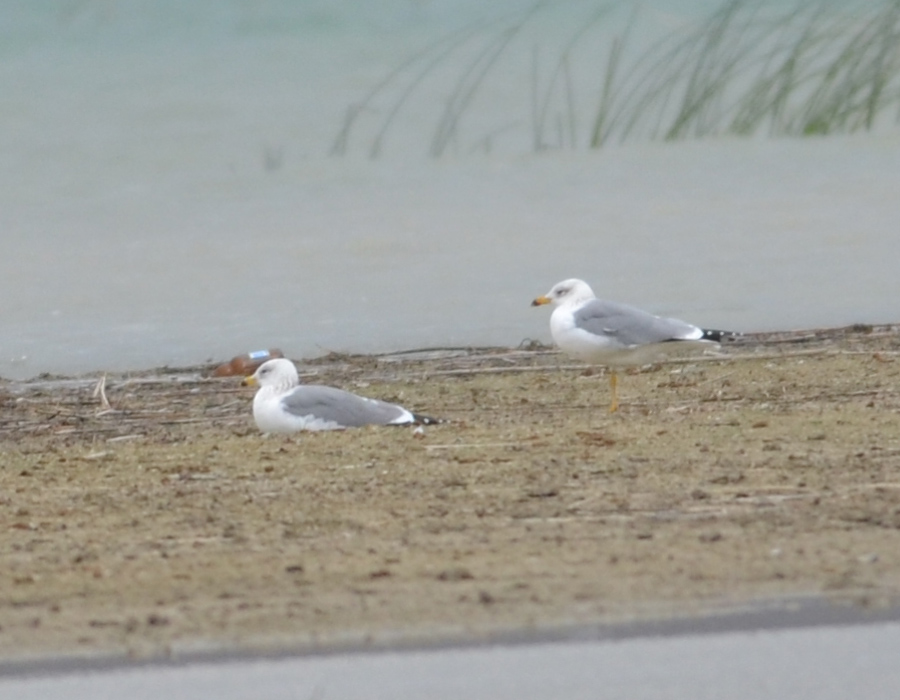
{"x":167,"y":197}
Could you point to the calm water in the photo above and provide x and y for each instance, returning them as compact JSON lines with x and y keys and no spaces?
{"x":167,"y":194}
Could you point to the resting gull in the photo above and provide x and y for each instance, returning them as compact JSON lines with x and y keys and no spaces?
{"x":617,"y":335}
{"x":283,"y":405}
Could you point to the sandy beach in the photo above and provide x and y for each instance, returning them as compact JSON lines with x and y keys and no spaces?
{"x":161,"y":521}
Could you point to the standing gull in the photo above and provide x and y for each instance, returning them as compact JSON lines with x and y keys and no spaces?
{"x":283,"y":405}
{"x":617,"y":335}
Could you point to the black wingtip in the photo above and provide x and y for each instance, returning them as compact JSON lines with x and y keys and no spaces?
{"x":419,"y":420}
{"x":720,"y":336}
{"x":426,"y":420}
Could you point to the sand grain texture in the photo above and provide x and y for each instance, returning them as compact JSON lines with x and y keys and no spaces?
{"x":166,"y":522}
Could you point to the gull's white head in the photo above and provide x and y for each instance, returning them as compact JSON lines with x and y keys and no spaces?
{"x":279,"y":373}
{"x":567,"y":292}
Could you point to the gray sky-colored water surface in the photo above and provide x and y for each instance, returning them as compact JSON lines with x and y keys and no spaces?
{"x":167,"y":193}
{"x":829,"y":663}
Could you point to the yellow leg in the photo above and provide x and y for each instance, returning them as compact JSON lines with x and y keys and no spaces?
{"x":613,"y":384}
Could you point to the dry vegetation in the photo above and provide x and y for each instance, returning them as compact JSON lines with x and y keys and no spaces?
{"x":163,"y":522}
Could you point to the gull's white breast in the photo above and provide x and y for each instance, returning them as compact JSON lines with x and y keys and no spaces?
{"x":271,"y":417}
{"x":579,"y":342}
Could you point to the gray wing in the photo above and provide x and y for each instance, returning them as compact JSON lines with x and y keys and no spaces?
{"x":347,"y":410}
{"x":631,"y":326}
